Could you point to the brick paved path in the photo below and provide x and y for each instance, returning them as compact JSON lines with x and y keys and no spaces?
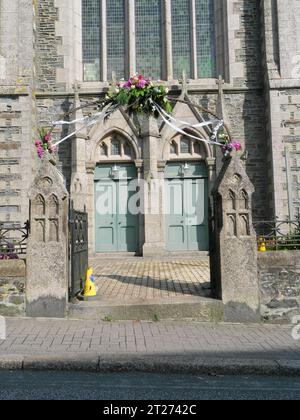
{"x":65,"y":337}
{"x":138,"y":278}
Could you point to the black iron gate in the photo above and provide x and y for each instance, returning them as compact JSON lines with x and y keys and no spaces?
{"x":78,"y":250}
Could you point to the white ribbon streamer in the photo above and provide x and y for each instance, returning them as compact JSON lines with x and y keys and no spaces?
{"x":100,"y":116}
{"x":179,"y":130}
{"x":203,"y":124}
{"x":93,"y":120}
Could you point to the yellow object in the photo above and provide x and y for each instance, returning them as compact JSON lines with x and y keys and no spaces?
{"x":89,"y":287}
{"x":262,"y":245}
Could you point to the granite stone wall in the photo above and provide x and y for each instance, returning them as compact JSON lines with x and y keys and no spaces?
{"x":279,"y":278}
{"x":12,"y":288}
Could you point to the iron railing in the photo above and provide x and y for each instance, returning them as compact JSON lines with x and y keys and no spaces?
{"x":13,"y":240}
{"x":278,"y":235}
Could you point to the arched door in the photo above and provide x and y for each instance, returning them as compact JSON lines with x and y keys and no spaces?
{"x":187,"y":206}
{"x":116,"y":228}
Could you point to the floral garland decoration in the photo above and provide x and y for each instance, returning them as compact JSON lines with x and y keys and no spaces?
{"x":229,"y":145}
{"x":138,"y":95}
{"x":44,"y":143}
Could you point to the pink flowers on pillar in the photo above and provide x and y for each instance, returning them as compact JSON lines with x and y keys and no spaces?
{"x":230,"y":147}
{"x":44,"y":144}
{"x":136,"y":82}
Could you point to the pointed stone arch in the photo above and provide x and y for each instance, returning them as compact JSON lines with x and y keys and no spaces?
{"x":102,"y":148}
{"x":188,"y":113}
{"x":117,"y":124}
{"x":207,"y":150}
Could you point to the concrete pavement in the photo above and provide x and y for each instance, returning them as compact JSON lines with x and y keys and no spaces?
{"x":150,"y":347}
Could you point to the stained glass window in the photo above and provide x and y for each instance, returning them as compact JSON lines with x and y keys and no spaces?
{"x":181,"y":36}
{"x":150,"y":29}
{"x":185,"y":146}
{"x":173,"y":148}
{"x":197,"y":148}
{"x":148,"y":16}
{"x":115,"y":147}
{"x":91,"y":39}
{"x":205,"y":38}
{"x":116,"y":38}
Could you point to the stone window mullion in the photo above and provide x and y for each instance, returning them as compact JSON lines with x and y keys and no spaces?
{"x":168,"y":46}
{"x":194,"y":58}
{"x":130,"y":38}
{"x":103,"y":30}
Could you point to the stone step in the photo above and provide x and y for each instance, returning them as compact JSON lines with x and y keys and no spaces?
{"x":171,"y":256}
{"x":196,"y":308}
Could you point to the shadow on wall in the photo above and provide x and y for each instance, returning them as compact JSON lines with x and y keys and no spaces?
{"x":65,"y":149}
{"x":164,"y":285}
{"x":253,"y":108}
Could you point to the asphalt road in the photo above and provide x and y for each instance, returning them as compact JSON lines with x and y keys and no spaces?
{"x":93,"y":386}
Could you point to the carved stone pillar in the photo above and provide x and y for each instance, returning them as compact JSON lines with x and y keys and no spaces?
{"x":78,"y":179}
{"x":90,"y":171}
{"x":234,"y":245}
{"x":154,"y":226}
{"x":47,"y":250}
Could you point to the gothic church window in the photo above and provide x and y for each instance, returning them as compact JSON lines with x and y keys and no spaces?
{"x":149,"y":37}
{"x":185,"y":146}
{"x":115,"y":147}
{"x":115,"y":19}
{"x":91,"y":39}
{"x":126,"y":36}
{"x":173,"y":148}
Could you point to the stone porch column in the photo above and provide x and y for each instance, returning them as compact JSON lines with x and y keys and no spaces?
{"x":78,"y":178}
{"x":47,"y":250}
{"x":154,"y":226}
{"x":234,"y":271}
{"x":90,"y":194}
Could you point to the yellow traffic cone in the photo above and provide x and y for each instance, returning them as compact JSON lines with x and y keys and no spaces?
{"x":262,"y":245}
{"x":89,"y":287}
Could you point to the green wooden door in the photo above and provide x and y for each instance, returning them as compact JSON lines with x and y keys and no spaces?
{"x":116,"y":229}
{"x":187,"y":208}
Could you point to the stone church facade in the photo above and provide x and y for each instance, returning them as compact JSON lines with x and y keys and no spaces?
{"x":58,"y":55}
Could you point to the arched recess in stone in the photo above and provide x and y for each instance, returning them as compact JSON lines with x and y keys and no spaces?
{"x":38,"y":209}
{"x":185,"y":147}
{"x":245,"y":200}
{"x":53,"y":212}
{"x":119,"y":124}
{"x":39,"y":206}
{"x":53,"y":206}
{"x":115,"y":145}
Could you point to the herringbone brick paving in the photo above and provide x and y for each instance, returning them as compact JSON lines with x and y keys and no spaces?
{"x":159,"y":279}
{"x":65,"y":337}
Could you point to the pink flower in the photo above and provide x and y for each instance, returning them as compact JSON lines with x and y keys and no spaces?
{"x":236,"y":145}
{"x":52,"y":149}
{"x":38,"y":143}
{"x":40,"y":152}
{"x":141,"y":84}
{"x":47,"y":137}
{"x":229,"y":147}
{"x":127,"y":85}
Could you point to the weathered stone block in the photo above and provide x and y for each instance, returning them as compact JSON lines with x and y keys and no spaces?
{"x":234,"y":257}
{"x":12,"y":268}
{"x":279,"y":280}
{"x":47,"y":250}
